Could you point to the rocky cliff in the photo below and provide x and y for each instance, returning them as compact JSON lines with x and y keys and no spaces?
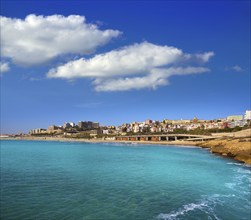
{"x":235,"y":147}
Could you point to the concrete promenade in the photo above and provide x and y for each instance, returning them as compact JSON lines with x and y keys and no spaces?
{"x":166,"y":137}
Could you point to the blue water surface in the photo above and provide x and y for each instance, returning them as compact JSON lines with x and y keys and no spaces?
{"x":69,"y":180}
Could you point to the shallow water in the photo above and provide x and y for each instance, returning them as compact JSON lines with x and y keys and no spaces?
{"x":60,"y":180}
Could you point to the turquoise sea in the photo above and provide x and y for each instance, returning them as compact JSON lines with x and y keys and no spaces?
{"x":66,"y":180}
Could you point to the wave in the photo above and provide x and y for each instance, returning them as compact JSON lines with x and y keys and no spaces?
{"x":231,"y":185}
{"x":206,"y":205}
{"x":244,"y":171}
{"x":117,"y":143}
{"x":240,"y":180}
{"x":247,"y":165}
{"x":182,"y":211}
{"x":240,"y":164}
{"x":237,"y":164}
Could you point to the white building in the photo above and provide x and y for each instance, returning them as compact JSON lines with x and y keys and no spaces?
{"x":72,"y":124}
{"x":248,"y":115}
{"x":105,"y":131}
{"x":136,"y":129}
{"x":235,"y":118}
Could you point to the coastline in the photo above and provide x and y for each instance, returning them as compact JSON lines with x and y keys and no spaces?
{"x":184,"y":143}
{"x":237,"y":147}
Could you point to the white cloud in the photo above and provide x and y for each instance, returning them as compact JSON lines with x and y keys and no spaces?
{"x":157,"y":77}
{"x":205,"y":57}
{"x":138,"y":66}
{"x":237,"y":68}
{"x":38,"y":39}
{"x":137,"y":58}
{"x":4,"y":67}
{"x":199,"y":58}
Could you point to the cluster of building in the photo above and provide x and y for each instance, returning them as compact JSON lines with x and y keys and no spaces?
{"x":148,"y":126}
{"x":68,"y":128}
{"x":166,"y":125}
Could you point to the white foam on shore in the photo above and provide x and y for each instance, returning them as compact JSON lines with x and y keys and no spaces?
{"x":247,"y":165}
{"x":122,"y":144}
{"x":237,"y":164}
{"x":184,"y":146}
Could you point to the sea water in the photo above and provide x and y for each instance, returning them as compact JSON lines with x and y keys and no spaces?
{"x":69,"y":180}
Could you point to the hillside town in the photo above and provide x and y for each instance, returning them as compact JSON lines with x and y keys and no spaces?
{"x":89,"y":129}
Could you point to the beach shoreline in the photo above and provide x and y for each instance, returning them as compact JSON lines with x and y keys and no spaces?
{"x":62,"y":139}
{"x":237,"y":148}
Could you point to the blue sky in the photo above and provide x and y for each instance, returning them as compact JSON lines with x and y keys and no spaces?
{"x":127,"y":61}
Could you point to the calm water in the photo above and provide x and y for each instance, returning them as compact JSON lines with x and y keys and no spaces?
{"x":58,"y":180}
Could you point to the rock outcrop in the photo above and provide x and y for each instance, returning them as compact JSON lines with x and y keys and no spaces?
{"x":234,"y":147}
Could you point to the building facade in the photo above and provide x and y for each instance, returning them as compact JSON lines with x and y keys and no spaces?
{"x":235,"y":118}
{"x":247,"y":115}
